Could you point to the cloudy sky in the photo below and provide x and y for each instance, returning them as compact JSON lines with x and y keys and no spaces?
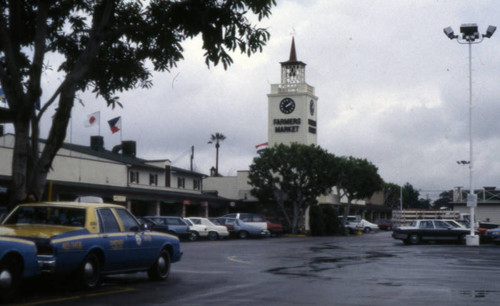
{"x":392,"y":88}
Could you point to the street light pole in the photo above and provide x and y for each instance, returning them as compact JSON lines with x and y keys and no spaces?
{"x":471,"y":199}
{"x":470,"y":35}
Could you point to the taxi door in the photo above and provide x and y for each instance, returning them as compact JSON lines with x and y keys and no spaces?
{"x":112,"y":240}
{"x":141,"y":251}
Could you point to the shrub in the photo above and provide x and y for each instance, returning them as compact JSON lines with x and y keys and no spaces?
{"x":316,"y":221}
{"x":323,"y":220}
{"x":330,"y":219}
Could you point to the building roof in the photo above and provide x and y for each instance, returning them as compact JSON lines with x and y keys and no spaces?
{"x":106,"y":154}
{"x":122,"y":158}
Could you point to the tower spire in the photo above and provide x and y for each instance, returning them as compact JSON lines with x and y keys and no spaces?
{"x":293,"y":54}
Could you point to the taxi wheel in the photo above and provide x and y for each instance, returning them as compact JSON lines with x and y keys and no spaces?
{"x":161,"y":268}
{"x":90,"y":272}
{"x":243,"y":234}
{"x":10,"y":277}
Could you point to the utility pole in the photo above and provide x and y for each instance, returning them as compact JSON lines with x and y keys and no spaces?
{"x":192,"y":157}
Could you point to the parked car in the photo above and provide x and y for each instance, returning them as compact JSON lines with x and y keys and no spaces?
{"x":153,"y":226}
{"x":240,"y":229}
{"x":431,"y":230}
{"x":384,"y":224}
{"x":88,"y":240}
{"x":17,"y":262}
{"x":276,"y":229}
{"x":351,"y":223}
{"x":197,"y":230}
{"x":492,"y":235}
{"x":250,"y":219}
{"x":367,"y":226}
{"x":176,"y":226}
{"x":214,"y":231}
{"x":483,"y":227}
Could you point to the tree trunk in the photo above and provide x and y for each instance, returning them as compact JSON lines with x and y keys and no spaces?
{"x":29,"y":170}
{"x":295,"y":217}
{"x":19,"y":162}
{"x":278,"y":196}
{"x":54,"y":142}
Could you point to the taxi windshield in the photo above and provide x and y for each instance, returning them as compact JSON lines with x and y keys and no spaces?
{"x":64,"y":216}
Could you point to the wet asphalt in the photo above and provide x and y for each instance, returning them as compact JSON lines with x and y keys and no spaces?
{"x":370,"y":269}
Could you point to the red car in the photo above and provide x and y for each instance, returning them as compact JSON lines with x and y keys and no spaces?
{"x":276,"y":229}
{"x":384,"y":224}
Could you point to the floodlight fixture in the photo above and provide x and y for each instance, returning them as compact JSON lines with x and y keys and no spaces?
{"x":469,"y":31}
{"x":489,"y":32}
{"x":448,"y":31}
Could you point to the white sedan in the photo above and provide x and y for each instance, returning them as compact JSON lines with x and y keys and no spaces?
{"x":214,"y":231}
{"x":196,"y":230}
{"x":366,"y":226}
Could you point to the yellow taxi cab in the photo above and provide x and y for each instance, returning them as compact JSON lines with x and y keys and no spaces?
{"x":89,"y":240}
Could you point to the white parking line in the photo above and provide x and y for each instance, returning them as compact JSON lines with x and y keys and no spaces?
{"x":234,"y":259}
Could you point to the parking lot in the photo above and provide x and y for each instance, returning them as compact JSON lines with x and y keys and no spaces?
{"x":371,"y":269}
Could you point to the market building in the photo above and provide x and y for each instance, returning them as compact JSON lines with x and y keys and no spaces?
{"x":146,"y":187}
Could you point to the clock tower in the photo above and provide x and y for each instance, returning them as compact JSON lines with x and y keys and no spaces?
{"x":292,"y":106}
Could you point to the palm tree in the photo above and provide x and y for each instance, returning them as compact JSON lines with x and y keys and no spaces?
{"x":216,"y":138}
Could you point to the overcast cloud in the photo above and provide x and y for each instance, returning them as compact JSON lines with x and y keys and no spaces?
{"x":392,"y":88}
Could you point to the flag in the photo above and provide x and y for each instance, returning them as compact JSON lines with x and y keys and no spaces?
{"x":260,"y":148}
{"x":115,"y":124}
{"x":93,"y":119}
{"x":2,"y":96}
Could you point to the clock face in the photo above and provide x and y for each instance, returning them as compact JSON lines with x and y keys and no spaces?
{"x":287,"y":106}
{"x":311,"y":107}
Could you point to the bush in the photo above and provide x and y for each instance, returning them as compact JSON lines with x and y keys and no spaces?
{"x":323,"y":220}
{"x":330,"y":220}
{"x":316,"y":221}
